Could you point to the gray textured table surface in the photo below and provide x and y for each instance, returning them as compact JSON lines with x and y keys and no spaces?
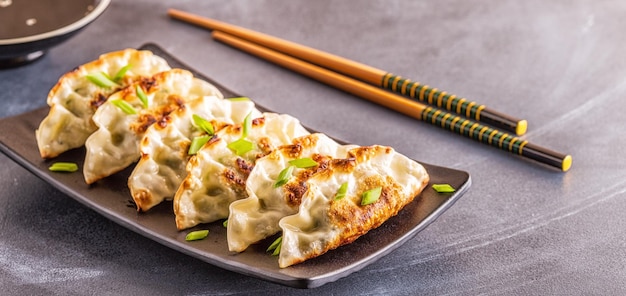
{"x":520,"y":229}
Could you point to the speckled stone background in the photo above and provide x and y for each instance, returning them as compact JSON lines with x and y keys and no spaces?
{"x":520,"y":229}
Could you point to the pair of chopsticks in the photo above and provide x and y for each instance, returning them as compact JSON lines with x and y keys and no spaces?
{"x":428,"y":104}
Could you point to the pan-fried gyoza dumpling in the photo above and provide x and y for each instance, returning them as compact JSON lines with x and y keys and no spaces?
{"x":123,"y":119}
{"x":75,"y":97}
{"x":164,"y":147}
{"x":216,"y":176}
{"x":325,"y":221}
{"x":273,"y":193}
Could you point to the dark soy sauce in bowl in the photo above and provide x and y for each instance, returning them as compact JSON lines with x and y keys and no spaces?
{"x":29,"y":27}
{"x":23,"y":18}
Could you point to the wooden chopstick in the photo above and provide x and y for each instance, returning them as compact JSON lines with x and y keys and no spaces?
{"x":371,"y":75}
{"x":437,"y":117}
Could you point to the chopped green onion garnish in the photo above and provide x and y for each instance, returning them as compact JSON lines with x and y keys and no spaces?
{"x":277,"y":250}
{"x":69,"y":167}
{"x":341,"y":192}
{"x":275,"y":246}
{"x":203,"y":124}
{"x":241,"y":146}
{"x":197,"y":143}
{"x":120,"y":74}
{"x":106,"y":75}
{"x":443,"y":188}
{"x":101,"y":79}
{"x":225,"y":223}
{"x":238,"y":99}
{"x":141,"y":95}
{"x":284,"y":176}
{"x":197,"y":235}
{"x":125,"y":106}
{"x":247,"y":125}
{"x":371,"y":196}
{"x":302,"y":163}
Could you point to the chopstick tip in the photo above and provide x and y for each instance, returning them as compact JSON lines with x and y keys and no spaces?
{"x":175,"y":13}
{"x":567,"y":163}
{"x":521,"y":128}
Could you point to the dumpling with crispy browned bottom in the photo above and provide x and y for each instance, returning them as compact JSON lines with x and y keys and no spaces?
{"x":76,"y":96}
{"x":217,"y":175}
{"x":124,"y":118}
{"x":377,"y":183}
{"x":165,"y":146}
{"x":275,"y":187}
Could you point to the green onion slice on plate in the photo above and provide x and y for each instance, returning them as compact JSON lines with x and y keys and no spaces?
{"x":275,"y":246}
{"x":443,"y":188}
{"x":197,"y":235}
{"x":67,"y":167}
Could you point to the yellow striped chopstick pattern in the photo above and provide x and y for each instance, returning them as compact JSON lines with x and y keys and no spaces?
{"x":452,"y":103}
{"x":432,"y":115}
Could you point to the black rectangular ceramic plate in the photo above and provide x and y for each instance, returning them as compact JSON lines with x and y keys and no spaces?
{"x":111,"y":198}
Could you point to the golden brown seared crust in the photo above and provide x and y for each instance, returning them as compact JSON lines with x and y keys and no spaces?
{"x":186,"y":184}
{"x":97,"y":64}
{"x":213,"y":140}
{"x":74,"y":99}
{"x":218,"y":125}
{"x":295,"y":149}
{"x":259,"y":121}
{"x":295,"y":190}
{"x":263,"y":143}
{"x":236,"y":178}
{"x":147,"y":84}
{"x":245,"y":167}
{"x":323,"y":161}
{"x":358,"y":220}
{"x":365,"y":153}
{"x":160,"y":116}
{"x":98,"y":100}
{"x":348,"y":214}
{"x":141,"y":197}
{"x":237,"y":128}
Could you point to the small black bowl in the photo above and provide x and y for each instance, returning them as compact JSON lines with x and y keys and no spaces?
{"x":29,"y":28}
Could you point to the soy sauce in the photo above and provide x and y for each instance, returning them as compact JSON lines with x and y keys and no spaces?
{"x":23,"y":18}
